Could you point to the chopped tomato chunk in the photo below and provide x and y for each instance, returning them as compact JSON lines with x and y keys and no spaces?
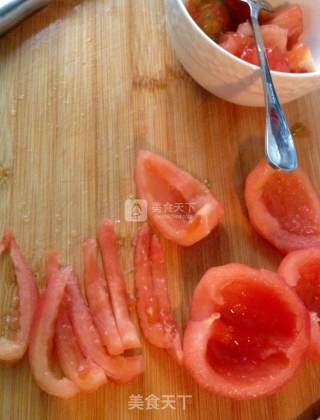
{"x":12,"y":350}
{"x":300,"y":59}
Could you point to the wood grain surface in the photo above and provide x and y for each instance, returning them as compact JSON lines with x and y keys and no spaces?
{"x":84,"y":85}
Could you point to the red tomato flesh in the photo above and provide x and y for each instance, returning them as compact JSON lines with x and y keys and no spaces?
{"x":153,"y":304}
{"x":247,"y":332}
{"x":42,"y":336}
{"x":301,"y":271}
{"x":108,"y":246}
{"x":179,"y":206}
{"x":99,"y":300}
{"x":12,"y":350}
{"x":283,"y":207}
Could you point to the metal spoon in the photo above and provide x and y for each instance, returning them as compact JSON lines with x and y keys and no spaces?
{"x":279,"y":146}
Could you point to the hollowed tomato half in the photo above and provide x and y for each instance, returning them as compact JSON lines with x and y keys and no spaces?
{"x":247,"y":332}
{"x":283,"y":207}
{"x":301,"y":271}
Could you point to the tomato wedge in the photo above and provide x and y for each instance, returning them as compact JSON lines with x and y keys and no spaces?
{"x":283,"y":207}
{"x":13,"y":350}
{"x":247,"y":332}
{"x":153,"y":305}
{"x":301,"y":271}
{"x":99,"y":300}
{"x":42,"y":335}
{"x":179,"y":206}
{"x":119,"y":368}
{"x":108,"y":246}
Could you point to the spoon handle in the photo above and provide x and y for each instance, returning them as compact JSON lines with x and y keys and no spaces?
{"x":279,"y":146}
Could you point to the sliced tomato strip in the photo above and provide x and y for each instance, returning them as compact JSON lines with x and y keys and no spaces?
{"x":160,"y":289}
{"x":283,"y":207}
{"x":301,"y":271}
{"x":153,"y":304}
{"x":247,"y":332}
{"x":147,"y":304}
{"x":82,"y":371}
{"x":179,"y":205}
{"x":108,"y":245}
{"x":13,"y":350}
{"x":118,"y":368}
{"x":99,"y":300}
{"x":42,"y":335}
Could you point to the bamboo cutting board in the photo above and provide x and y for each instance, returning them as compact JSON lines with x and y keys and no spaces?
{"x":84,"y":85}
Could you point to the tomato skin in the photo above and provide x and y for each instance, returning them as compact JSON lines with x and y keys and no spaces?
{"x":289,"y":269}
{"x":268,"y":226}
{"x":12,"y":351}
{"x":99,"y":300}
{"x":153,"y":304}
{"x":203,"y":323}
{"x":42,"y":334}
{"x":107,"y":241}
{"x":159,"y":181}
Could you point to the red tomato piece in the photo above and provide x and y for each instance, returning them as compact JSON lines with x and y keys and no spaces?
{"x":275,"y":37}
{"x":147,"y":305}
{"x":82,"y":371}
{"x":213,"y":18}
{"x":108,"y":246}
{"x":153,"y":304}
{"x":283,"y":208}
{"x":235,"y":43}
{"x":289,"y":17}
{"x":300,"y":59}
{"x":119,"y":368}
{"x":160,"y":289}
{"x":12,"y":350}
{"x":193,"y":211}
{"x":301,"y":271}
{"x":239,"y":10}
{"x":99,"y":300}
{"x":277,"y":60}
{"x":245,"y":29}
{"x":42,"y":335}
{"x":247,"y":332}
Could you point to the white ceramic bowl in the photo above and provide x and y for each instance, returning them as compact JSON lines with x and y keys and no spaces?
{"x":229,"y":77}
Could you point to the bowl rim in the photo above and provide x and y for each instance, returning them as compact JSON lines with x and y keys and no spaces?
{"x":214,"y":44}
